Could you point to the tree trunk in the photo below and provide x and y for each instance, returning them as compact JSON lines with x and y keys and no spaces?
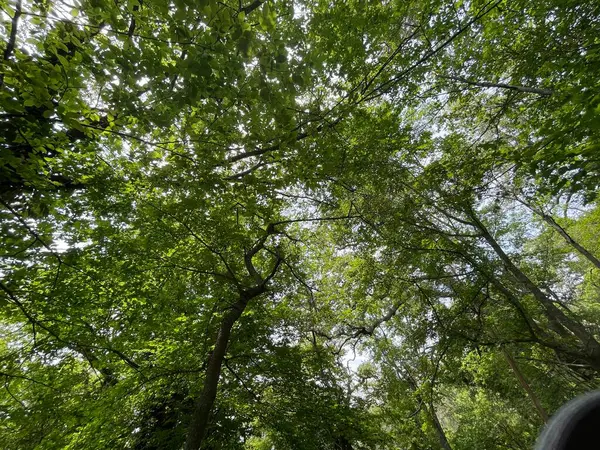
{"x":523,"y":382}
{"x":565,"y":235}
{"x":554,"y":314}
{"x":439,"y":429}
{"x":341,"y":443}
{"x":205,"y":402}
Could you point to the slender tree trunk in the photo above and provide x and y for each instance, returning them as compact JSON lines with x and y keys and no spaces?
{"x":525,"y":385}
{"x":206,"y":400}
{"x":565,"y":235}
{"x":538,"y":333}
{"x":591,"y":345}
{"x":439,"y":429}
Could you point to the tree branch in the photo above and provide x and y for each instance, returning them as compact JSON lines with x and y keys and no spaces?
{"x":380,"y":90}
{"x":525,"y":89}
{"x":70,"y":344}
{"x":272,"y":148}
{"x":10,"y":46}
{"x":252,"y":6}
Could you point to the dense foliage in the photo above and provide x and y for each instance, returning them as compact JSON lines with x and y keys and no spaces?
{"x":296,"y":224}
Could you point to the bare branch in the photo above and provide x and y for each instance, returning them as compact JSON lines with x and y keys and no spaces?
{"x":317,"y":219}
{"x":525,"y":89}
{"x":381,"y":89}
{"x":23,"y":377}
{"x":80,"y":348}
{"x":239,"y":175}
{"x":30,"y":230}
{"x":272,"y":148}
{"x":252,"y":6}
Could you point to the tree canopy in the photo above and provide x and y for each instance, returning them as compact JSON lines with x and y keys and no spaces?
{"x":296,"y":224}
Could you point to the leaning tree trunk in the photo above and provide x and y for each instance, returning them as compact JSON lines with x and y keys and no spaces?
{"x":525,"y":385}
{"x":206,"y":400}
{"x":439,"y":430}
{"x":564,"y":234}
{"x":553,"y":313}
